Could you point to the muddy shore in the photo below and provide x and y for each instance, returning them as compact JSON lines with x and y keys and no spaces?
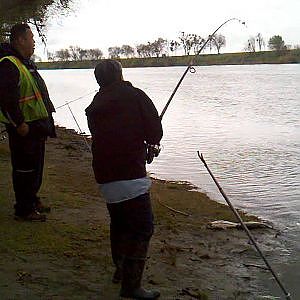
{"x":68,"y":257}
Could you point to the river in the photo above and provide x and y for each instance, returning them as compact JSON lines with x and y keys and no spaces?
{"x":245,"y":121}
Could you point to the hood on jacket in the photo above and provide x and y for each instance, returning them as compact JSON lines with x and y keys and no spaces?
{"x":6,"y":49}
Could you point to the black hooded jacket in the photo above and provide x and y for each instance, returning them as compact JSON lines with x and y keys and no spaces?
{"x":10,"y":93}
{"x":121,"y":119}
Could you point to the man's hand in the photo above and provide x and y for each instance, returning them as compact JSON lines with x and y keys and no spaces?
{"x":152,"y":151}
{"x":23,"y":129}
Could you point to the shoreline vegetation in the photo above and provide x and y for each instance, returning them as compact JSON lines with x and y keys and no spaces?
{"x":241,"y":58}
{"x":68,"y":257}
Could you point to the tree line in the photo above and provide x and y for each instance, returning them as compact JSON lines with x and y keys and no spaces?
{"x":186,"y":44}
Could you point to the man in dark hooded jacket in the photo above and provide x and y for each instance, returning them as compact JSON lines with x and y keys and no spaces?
{"x":26,"y":111}
{"x":122,"y":119}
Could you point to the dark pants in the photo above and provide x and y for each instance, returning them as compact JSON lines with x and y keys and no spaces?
{"x":27,"y":158}
{"x":131,"y":228}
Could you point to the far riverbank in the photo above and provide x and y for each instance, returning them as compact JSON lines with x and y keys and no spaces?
{"x":241,"y":58}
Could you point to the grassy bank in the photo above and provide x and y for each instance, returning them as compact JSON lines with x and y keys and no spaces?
{"x":68,"y":257}
{"x":243,"y":58}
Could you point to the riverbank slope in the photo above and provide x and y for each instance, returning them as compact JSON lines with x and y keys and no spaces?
{"x":68,"y":257}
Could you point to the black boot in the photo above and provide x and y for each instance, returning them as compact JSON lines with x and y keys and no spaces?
{"x":117,"y":258}
{"x":117,"y":277}
{"x":131,"y":281}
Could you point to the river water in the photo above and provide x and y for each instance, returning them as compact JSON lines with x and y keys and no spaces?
{"x":244,"y":119}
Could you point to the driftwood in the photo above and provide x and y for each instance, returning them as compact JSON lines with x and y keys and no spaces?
{"x":221,"y":224}
{"x":256,"y":266}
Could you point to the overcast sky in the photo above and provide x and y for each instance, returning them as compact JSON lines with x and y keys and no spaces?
{"x":105,"y":23}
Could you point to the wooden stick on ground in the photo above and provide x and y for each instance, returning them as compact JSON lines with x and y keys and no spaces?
{"x":172,"y":209}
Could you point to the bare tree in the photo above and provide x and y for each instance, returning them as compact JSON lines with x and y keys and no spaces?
{"x":127,"y":51}
{"x":210,"y":44}
{"x":198,"y":41}
{"x":260,"y":41}
{"x":251,"y":44}
{"x":94,"y":54}
{"x":218,"y":41}
{"x":50,"y":56}
{"x":74,"y":52}
{"x":190,"y":41}
{"x":114,"y":52}
{"x":144,"y":50}
{"x":174,"y":45}
{"x":158,"y":46}
{"x":63,"y":54}
{"x":186,"y":40}
{"x":83,"y":54}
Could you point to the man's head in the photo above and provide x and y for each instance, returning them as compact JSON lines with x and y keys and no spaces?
{"x":21,"y":39}
{"x":107,"y":72}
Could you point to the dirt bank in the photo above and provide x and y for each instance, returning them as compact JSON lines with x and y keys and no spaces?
{"x":68,"y":257}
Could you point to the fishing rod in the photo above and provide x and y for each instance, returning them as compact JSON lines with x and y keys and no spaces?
{"x":287,"y":295}
{"x":154,"y":150}
{"x":67,"y":103}
{"x":190,"y":67}
{"x":73,"y":116}
{"x":80,"y":131}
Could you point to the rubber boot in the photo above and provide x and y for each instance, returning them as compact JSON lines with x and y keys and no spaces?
{"x":131,"y":281}
{"x":117,"y":277}
{"x":117,"y":258}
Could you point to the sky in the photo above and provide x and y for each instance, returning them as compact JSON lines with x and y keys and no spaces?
{"x":106,"y":23}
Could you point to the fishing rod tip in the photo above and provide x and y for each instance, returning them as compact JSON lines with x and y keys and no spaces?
{"x":200,"y":155}
{"x":242,"y":22}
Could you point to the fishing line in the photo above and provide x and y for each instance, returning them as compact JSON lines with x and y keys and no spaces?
{"x":76,"y":99}
{"x":190,"y":67}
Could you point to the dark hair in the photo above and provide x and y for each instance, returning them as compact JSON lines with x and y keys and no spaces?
{"x":18,"y":30}
{"x":108,"y":71}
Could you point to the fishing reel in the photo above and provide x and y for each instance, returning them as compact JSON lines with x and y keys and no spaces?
{"x":152,"y":151}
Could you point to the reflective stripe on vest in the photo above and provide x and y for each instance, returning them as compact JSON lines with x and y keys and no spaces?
{"x":31,"y":101}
